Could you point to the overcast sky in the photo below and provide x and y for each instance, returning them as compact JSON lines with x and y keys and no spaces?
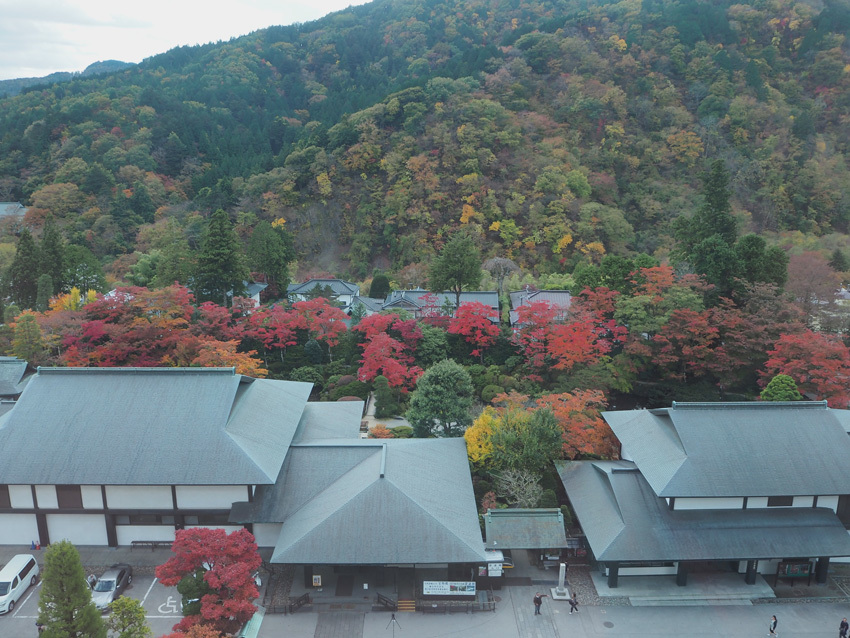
{"x":38,"y":37}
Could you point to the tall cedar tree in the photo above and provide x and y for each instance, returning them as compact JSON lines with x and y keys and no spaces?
{"x":52,"y":249}
{"x":23,"y":272}
{"x":221,"y":265}
{"x":457,"y":267}
{"x":65,"y":607}
{"x":441,"y":404}
{"x":270,"y":251}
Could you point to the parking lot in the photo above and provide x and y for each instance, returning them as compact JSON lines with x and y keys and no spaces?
{"x":162,"y":606}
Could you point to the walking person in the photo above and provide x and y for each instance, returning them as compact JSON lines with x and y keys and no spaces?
{"x":574,"y":603}
{"x":538,"y":600}
{"x":772,"y":626}
{"x":842,"y":628}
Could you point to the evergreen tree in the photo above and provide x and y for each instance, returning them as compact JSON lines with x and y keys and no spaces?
{"x":781,"y":388}
{"x":380,"y":287}
{"x":65,"y":607}
{"x":52,"y":249}
{"x":441,"y":404}
{"x":457,"y":267}
{"x":23,"y":272}
{"x":82,"y":270}
{"x":714,"y":217}
{"x":221,"y":265}
{"x":44,"y":292}
{"x":270,"y":252}
{"x":839,"y":261}
{"x":386,"y":404}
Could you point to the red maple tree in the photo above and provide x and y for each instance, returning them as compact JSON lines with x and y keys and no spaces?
{"x":228,"y":562}
{"x":818,"y":363}
{"x":474,"y":322}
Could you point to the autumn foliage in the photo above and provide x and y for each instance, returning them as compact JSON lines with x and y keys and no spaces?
{"x":228,"y":562}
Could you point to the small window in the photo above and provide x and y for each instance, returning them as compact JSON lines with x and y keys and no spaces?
{"x":214,"y":519}
{"x":144,"y":519}
{"x":191,"y":520}
{"x":167,"y":520}
{"x":780,"y":501}
{"x":5,"y":500}
{"x":69,"y":497}
{"x":122,"y":520}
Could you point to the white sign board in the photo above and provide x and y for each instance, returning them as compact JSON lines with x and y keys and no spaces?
{"x":448,"y":588}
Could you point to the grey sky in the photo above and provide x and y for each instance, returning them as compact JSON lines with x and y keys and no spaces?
{"x":38,"y":37}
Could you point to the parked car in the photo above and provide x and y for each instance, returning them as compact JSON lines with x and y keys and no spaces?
{"x":111,"y":585}
{"x":20,"y":573}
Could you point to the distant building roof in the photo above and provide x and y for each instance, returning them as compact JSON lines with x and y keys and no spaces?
{"x":372,"y":501}
{"x":254,"y":288}
{"x":560,"y":299}
{"x":525,"y":528}
{"x":625,"y":521}
{"x":416,"y":298}
{"x":737,"y":449}
{"x":133,"y":426}
{"x":12,"y":376}
{"x":12,"y":209}
{"x":371,"y":304}
{"x":338,"y":286}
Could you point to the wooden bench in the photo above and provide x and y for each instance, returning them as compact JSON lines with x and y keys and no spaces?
{"x":152,"y":544}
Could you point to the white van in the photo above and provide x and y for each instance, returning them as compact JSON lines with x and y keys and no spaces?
{"x":15,"y":578}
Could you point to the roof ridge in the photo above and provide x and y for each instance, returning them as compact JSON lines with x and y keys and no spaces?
{"x":132,"y":370}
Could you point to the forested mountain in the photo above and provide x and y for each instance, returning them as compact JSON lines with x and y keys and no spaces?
{"x":556,"y":131}
{"x":15,"y":86}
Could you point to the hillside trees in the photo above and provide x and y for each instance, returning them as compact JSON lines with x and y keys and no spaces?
{"x":456,"y":268}
{"x":220,"y":269}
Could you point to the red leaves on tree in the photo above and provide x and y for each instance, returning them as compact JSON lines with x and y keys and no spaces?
{"x":473,"y":321}
{"x":818,"y":363}
{"x":320,"y":319}
{"x":388,"y":345}
{"x":535,"y":322}
{"x":229,"y":561}
{"x":685,"y":346}
{"x":585,"y":432}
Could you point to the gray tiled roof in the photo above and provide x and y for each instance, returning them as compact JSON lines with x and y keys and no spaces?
{"x":336,"y":507}
{"x":149,"y":426}
{"x":338,"y":286}
{"x":329,"y":420}
{"x":372,"y":305}
{"x":12,"y":209}
{"x":737,"y":449}
{"x":625,"y":521}
{"x":525,"y":528}
{"x":12,"y":371}
{"x":415,"y":298}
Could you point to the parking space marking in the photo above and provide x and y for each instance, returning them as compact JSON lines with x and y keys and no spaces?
{"x":147,"y":593}
{"x":15,"y":615}
{"x":170,"y":606}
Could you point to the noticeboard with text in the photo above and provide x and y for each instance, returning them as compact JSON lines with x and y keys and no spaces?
{"x":448,"y":588}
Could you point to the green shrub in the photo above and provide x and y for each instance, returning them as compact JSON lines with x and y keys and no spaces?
{"x":353,"y":389}
{"x":402,"y":432}
{"x":490,"y":391}
{"x":308,"y":374}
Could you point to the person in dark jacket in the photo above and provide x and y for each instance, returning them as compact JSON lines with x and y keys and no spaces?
{"x":574,"y":603}
{"x":538,"y":600}
{"x":772,"y":626}
{"x":842,"y":628}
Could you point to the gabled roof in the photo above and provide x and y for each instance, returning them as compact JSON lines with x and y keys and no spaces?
{"x":338,"y":286}
{"x":559,"y":299}
{"x":625,"y":521}
{"x":416,"y":298}
{"x":737,"y":449}
{"x":12,"y":371}
{"x":372,"y":502}
{"x":329,"y":420}
{"x":371,"y":304}
{"x":149,"y":426}
{"x":525,"y":528}
{"x":12,"y":209}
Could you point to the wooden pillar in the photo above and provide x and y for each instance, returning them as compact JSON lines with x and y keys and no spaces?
{"x":308,"y":577}
{"x":613,"y":573}
{"x":41,"y":524}
{"x":111,"y":532}
{"x":752,"y":572}
{"x":682,"y":574}
{"x":821,"y":569}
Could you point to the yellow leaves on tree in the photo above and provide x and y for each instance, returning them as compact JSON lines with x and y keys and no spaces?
{"x":686,"y":147}
{"x":467,"y":213}
{"x":477,"y":436}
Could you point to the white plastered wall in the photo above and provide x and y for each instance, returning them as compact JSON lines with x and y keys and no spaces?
{"x":210,"y":496}
{"x":708,"y":503}
{"x":18,"y":529}
{"x":92,"y":497}
{"x":46,"y":495}
{"x":80,"y":529}
{"x":20,"y":495}
{"x":266,"y":534}
{"x":126,"y":534}
{"x":138,"y":497}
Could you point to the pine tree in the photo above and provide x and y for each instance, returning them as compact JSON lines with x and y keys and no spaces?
{"x":65,"y":607}
{"x":456,"y":268}
{"x":271,"y":251}
{"x":52,"y":249}
{"x":23,"y":272}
